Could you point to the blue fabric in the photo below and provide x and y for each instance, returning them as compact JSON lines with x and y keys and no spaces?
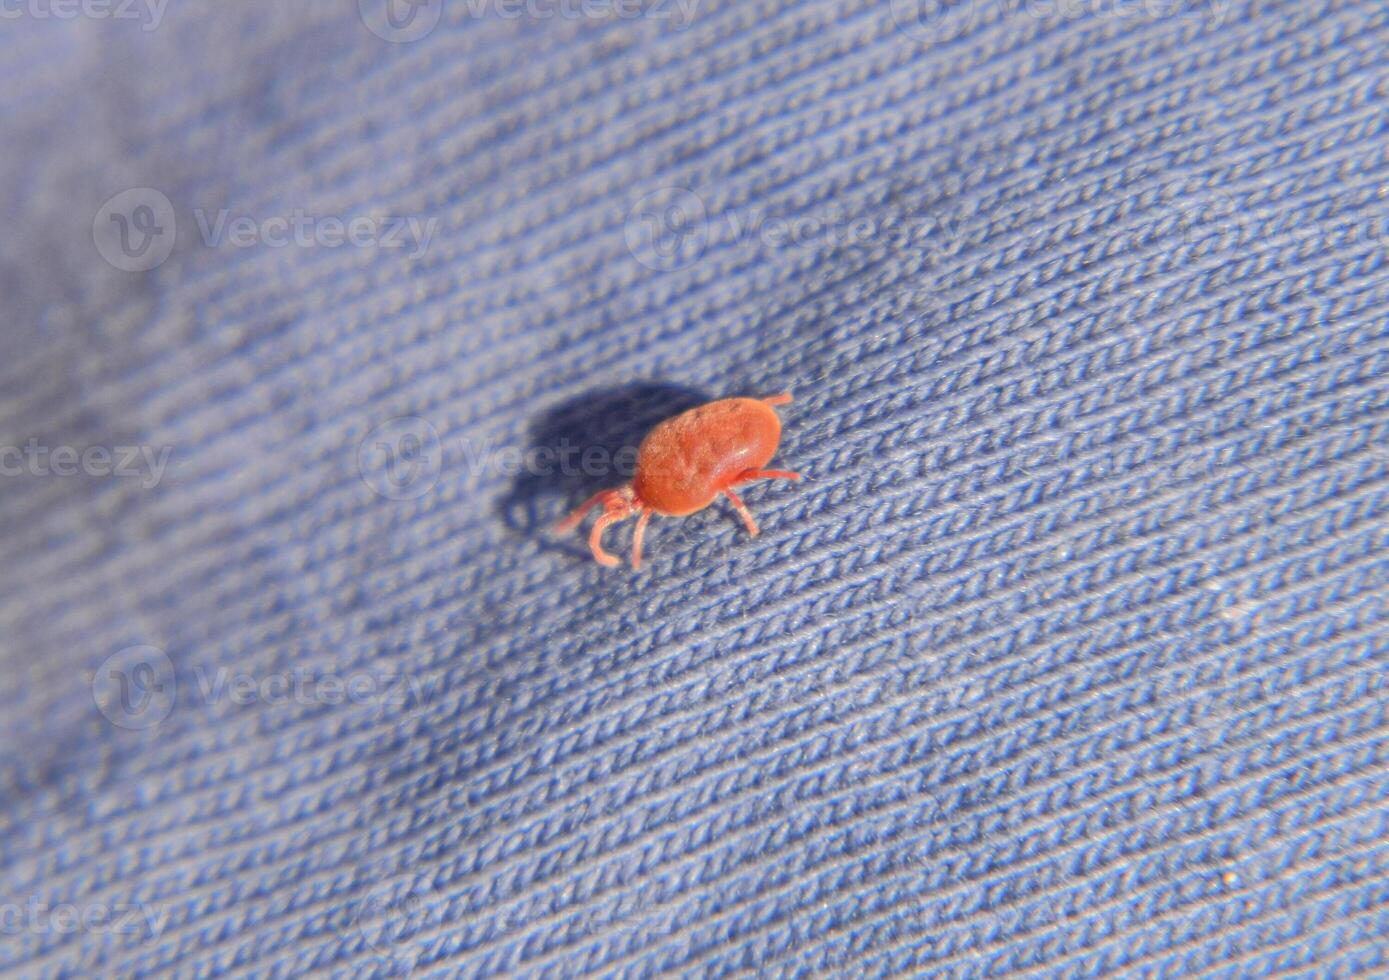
{"x":1066,"y":656}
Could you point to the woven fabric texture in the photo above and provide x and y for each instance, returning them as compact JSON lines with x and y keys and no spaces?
{"x":1066,"y":656}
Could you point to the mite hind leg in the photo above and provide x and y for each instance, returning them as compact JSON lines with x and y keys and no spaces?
{"x":749,"y":475}
{"x":742,"y":509}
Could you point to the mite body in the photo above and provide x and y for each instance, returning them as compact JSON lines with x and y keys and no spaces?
{"x":685,"y":463}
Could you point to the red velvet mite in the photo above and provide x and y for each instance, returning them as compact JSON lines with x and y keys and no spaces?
{"x":685,"y":462}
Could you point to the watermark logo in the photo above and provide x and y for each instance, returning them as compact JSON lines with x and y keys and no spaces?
{"x":134,"y":688}
{"x":400,"y":21}
{"x":678,"y":12}
{"x":1216,"y":220}
{"x":404,"y":21}
{"x":933,"y":21}
{"x":401,"y":459}
{"x":304,"y":230}
{"x":135,"y":231}
{"x":388,"y":919}
{"x":66,"y":918}
{"x":306,"y":687}
{"x":667,"y":229}
{"x":943,"y":21}
{"x":150,"y":13}
{"x":145,"y":463}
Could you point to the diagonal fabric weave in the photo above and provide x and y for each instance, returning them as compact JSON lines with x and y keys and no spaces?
{"x":1067,"y":657}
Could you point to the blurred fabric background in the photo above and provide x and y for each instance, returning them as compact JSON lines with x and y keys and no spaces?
{"x":1067,"y":655}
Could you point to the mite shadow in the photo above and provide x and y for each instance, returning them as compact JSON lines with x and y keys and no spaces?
{"x":583,"y":445}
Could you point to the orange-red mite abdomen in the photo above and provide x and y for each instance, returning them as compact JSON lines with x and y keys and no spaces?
{"x":686,"y":461}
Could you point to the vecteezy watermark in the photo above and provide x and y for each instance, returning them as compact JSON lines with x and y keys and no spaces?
{"x":304,"y":687}
{"x":942,"y":21}
{"x":403,"y":21}
{"x":403,"y":458}
{"x":669,"y":229}
{"x":678,"y":12}
{"x":400,"y":21}
{"x":1224,"y":222}
{"x":136,"y":230}
{"x":145,"y":463}
{"x":562,"y":459}
{"x":135,"y":688}
{"x":64,"y":918}
{"x":388,"y":918}
{"x":304,"y":230}
{"x":149,"y":12}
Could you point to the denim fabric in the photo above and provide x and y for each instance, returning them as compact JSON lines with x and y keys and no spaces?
{"x":1066,"y":656}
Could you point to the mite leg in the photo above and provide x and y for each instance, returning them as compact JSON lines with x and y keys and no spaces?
{"x":572,"y":521}
{"x":595,"y":539}
{"x":747,"y":475}
{"x":782,"y":399}
{"x":742,"y":509}
{"x":636,"y":538}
